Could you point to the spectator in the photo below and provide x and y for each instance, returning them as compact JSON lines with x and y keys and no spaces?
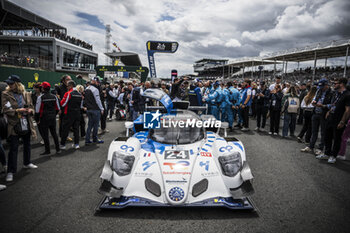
{"x":71,"y":106}
{"x":111,"y":99}
{"x":47,"y":106}
{"x":344,"y":141}
{"x":94,"y":110}
{"x":175,"y":93}
{"x":308,"y":108}
{"x":62,"y":89}
{"x":302,"y":94}
{"x":278,"y":81}
{"x":291,"y":106}
{"x":336,"y":119}
{"x":80,"y":89}
{"x":262,"y":99}
{"x":18,"y":108}
{"x":275,"y":109}
{"x":103,"y":96}
{"x":322,"y":99}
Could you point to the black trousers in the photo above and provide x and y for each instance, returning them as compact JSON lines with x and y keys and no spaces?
{"x":301,"y":116}
{"x":261,"y":112}
{"x":82,"y":125}
{"x":68,"y":122}
{"x":274,"y":121}
{"x":103,"y":119}
{"x":332,"y":138}
{"x":110,"y":109}
{"x":14,"y":144}
{"x":245,"y":115}
{"x":46,"y":125}
{"x":307,"y":126}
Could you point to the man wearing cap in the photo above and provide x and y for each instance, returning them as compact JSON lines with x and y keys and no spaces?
{"x":72,"y":103}
{"x":321,"y":101}
{"x":47,"y":106}
{"x":94,"y":109}
{"x":18,"y":108}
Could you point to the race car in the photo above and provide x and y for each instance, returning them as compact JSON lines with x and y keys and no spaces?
{"x":167,"y":165}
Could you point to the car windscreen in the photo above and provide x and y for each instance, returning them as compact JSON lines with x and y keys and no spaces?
{"x":177,"y":135}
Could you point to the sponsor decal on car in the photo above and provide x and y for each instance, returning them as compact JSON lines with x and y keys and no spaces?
{"x":205,"y":165}
{"x":206,"y":154}
{"x":183,"y":181}
{"x":127,"y":148}
{"x":176,"y":194}
{"x":176,"y":173}
{"x":147,"y":164}
{"x":210,"y":174}
{"x":143,"y":174}
{"x":225,"y":148}
{"x":147,"y":155}
{"x":173,"y":154}
{"x":177,"y":165}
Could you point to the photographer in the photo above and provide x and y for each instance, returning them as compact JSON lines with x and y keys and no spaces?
{"x":18,"y":108}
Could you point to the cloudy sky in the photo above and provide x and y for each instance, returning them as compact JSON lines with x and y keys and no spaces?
{"x":204,"y":29}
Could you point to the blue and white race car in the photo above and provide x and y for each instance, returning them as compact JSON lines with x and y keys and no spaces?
{"x":174,"y":165}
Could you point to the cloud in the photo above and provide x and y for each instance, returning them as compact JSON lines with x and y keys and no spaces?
{"x":211,"y":29}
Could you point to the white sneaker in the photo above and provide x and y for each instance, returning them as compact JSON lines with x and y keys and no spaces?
{"x":318,"y":151}
{"x":275,"y":134}
{"x":76,"y":146}
{"x":2,"y":187}
{"x":332,"y":159}
{"x":257,"y":129}
{"x":30,"y":166}
{"x":9,"y":177}
{"x":245,"y":129}
{"x":322,"y":156}
{"x":306,"y":149}
{"x":42,"y":142}
{"x":62,"y":147}
{"x":270,"y":133}
{"x":340,"y":157}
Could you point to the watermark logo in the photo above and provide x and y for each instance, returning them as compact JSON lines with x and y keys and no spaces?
{"x":151,"y":120}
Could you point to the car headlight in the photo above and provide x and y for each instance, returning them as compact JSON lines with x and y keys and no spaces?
{"x":122,"y":164}
{"x":231,"y":164}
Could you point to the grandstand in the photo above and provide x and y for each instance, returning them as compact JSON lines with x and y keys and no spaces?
{"x":31,"y":41}
{"x":313,"y":52}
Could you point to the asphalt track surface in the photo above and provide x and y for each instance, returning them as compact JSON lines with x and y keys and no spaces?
{"x":294,"y":192}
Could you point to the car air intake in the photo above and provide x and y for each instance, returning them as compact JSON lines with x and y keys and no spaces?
{"x":152,"y":187}
{"x":200,"y":187}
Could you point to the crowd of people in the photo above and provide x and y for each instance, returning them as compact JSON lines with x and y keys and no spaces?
{"x":323,"y":108}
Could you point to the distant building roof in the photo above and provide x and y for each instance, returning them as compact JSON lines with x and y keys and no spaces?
{"x":14,"y":17}
{"x":209,"y":59}
{"x":128,"y":58}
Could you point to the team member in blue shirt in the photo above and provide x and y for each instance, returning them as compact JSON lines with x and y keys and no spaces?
{"x":245,"y":103}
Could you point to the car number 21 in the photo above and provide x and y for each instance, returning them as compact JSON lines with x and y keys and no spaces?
{"x":172,"y":154}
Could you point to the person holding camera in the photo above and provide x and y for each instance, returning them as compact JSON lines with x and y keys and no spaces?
{"x":18,"y":108}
